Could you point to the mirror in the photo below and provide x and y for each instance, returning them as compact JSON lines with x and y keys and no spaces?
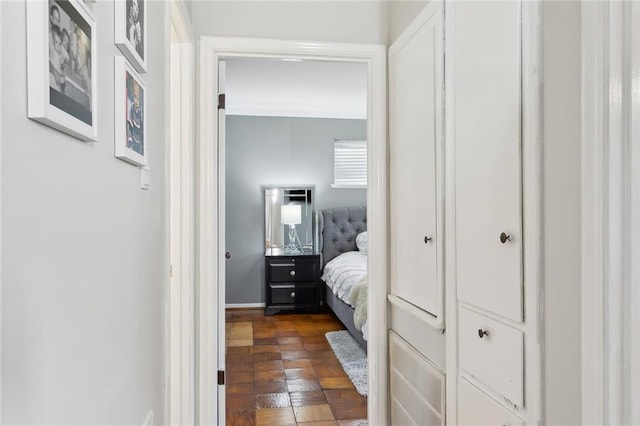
{"x":287,"y":213}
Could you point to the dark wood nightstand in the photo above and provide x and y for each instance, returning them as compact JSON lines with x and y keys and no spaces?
{"x":293,"y":283}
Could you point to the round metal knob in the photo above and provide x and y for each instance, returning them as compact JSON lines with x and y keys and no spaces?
{"x":293,"y":294}
{"x":227,"y":255}
{"x":504,"y":238}
{"x":482,"y":333}
{"x":427,"y":240}
{"x":292,"y":273}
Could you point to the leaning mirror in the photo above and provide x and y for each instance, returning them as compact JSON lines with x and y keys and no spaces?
{"x":287,"y":213}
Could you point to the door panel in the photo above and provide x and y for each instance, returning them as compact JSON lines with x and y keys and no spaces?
{"x":415,"y":98}
{"x":487,"y":114}
{"x":222,"y":241}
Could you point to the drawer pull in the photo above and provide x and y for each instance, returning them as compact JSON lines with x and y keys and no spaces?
{"x":482,"y":333}
{"x":293,"y":294}
{"x":504,"y":238}
{"x":292,"y":273}
{"x":427,"y":240}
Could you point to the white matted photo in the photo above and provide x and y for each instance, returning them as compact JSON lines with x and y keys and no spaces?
{"x":130,"y":31}
{"x":61,"y":53}
{"x":130,"y":109}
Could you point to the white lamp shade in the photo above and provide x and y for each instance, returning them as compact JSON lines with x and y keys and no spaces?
{"x":291,"y":214}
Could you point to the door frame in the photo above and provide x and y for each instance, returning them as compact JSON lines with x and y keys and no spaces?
{"x":1,"y":257}
{"x":211,"y":258}
{"x":610,"y":223}
{"x":180,"y":408}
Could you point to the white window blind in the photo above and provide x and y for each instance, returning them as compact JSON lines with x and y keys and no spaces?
{"x":349,"y":164}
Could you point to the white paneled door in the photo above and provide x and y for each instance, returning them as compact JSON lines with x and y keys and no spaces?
{"x":487,"y":79}
{"x":415,"y":99}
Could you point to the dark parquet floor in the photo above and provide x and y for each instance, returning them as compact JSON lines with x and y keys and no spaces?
{"x":282,"y":371}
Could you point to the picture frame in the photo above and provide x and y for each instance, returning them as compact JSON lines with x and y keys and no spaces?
{"x":130,"y":114}
{"x":61,"y":71}
{"x":131,"y":31}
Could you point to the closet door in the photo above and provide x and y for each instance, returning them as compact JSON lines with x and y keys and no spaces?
{"x":487,"y":113}
{"x":415,"y":98}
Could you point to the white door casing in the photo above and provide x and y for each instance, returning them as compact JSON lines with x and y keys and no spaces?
{"x":610,"y":204}
{"x":633,"y":215}
{"x":175,"y":203}
{"x":1,"y":257}
{"x":181,"y":295}
{"x":210,"y":223}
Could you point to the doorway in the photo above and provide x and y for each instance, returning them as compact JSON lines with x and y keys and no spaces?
{"x":287,"y":123}
{"x":211,"y":249}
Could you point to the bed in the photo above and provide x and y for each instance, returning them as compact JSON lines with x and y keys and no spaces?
{"x":340,"y":233}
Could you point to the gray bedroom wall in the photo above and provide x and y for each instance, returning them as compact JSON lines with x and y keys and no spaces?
{"x":83,"y":250}
{"x":275,"y":151}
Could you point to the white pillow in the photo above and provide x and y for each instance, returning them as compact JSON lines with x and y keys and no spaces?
{"x":362,"y":242}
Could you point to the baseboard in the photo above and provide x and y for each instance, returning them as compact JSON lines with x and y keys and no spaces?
{"x":243,"y":305}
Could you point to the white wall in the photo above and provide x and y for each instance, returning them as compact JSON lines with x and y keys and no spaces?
{"x":83,"y":278}
{"x":562,"y":240}
{"x":401,"y":13}
{"x":343,"y":21}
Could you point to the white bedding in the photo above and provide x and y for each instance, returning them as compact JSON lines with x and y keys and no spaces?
{"x":343,"y":272}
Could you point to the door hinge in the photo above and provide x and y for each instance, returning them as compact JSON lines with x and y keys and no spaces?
{"x":221,"y":101}
{"x":221,"y":377}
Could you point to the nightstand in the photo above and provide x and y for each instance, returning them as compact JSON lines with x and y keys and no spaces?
{"x":293,"y":283}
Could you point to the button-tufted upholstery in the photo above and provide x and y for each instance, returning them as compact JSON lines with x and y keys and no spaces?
{"x":338,"y":229}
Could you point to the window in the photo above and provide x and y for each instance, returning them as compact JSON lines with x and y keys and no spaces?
{"x":349,"y":164}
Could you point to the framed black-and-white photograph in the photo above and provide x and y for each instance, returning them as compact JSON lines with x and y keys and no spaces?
{"x":61,"y":57}
{"x":130,"y":31}
{"x":130,"y":109}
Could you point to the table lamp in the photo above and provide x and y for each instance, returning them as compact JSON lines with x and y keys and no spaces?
{"x":291,"y":214}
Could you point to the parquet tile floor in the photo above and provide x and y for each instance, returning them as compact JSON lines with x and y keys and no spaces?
{"x":282,"y":371}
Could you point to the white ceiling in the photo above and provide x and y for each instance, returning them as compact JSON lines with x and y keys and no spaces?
{"x":285,"y":88}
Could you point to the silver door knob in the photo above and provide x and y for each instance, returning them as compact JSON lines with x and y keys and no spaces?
{"x":504,"y":238}
{"x":293,"y":294}
{"x":292,"y":273}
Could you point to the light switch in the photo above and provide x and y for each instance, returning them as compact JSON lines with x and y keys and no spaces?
{"x":145,"y":177}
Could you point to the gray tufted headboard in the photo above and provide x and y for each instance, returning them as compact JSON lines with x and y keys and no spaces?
{"x":337,"y":230}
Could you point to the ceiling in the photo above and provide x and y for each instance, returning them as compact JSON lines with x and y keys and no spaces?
{"x":295,"y":88}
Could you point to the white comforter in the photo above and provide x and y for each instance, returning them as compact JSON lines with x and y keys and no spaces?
{"x":343,"y":272}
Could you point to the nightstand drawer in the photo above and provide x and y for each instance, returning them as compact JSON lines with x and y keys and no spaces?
{"x":292,"y":283}
{"x":287,"y":270}
{"x":299,"y":294}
